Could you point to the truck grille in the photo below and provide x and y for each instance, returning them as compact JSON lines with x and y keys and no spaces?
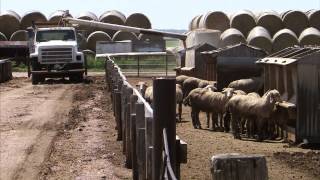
{"x":56,"y":55}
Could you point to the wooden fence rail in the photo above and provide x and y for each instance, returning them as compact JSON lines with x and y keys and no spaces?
{"x":5,"y":70}
{"x":141,"y":129}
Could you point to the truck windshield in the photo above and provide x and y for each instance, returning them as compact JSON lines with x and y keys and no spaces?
{"x":49,"y":35}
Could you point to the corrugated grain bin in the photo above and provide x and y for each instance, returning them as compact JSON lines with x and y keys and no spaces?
{"x":122,"y":35}
{"x":215,"y":20}
{"x":138,"y":20}
{"x":310,"y":36}
{"x":271,"y":21}
{"x":113,"y":17}
{"x":9,"y":22}
{"x":314,"y":18}
{"x":283,"y":39}
{"x":87,"y":16}
{"x":20,"y":35}
{"x":232,"y":36}
{"x":244,"y":21}
{"x":260,"y":37}
{"x":294,"y":72}
{"x":56,"y":16}
{"x":296,"y":21}
{"x":96,"y":36}
{"x":28,"y":17}
{"x":201,"y":36}
{"x":3,"y":37}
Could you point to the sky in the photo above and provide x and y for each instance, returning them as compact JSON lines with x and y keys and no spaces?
{"x":163,"y":14}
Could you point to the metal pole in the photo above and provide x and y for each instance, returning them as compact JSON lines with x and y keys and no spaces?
{"x":138,"y":66}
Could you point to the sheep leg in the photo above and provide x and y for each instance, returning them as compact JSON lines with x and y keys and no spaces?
{"x":221,"y":115}
{"x":235,"y":126}
{"x":193,"y":117}
{"x":180,"y":111}
{"x":198,"y":124}
{"x":261,"y":129}
{"x":226,"y":121}
{"x":242,"y":124}
{"x":214,"y":119}
{"x":208,"y":119}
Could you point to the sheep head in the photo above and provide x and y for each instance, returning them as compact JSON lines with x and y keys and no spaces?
{"x":211,"y":88}
{"x":228,"y":92}
{"x":142,"y":86}
{"x":273,"y":96}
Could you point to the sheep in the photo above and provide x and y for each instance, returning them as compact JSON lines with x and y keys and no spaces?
{"x":191,"y":83}
{"x":148,"y":96}
{"x":142,"y":86}
{"x":261,"y":108}
{"x":180,"y":79}
{"x":179,"y":100}
{"x":201,"y":99}
{"x":254,"y":84}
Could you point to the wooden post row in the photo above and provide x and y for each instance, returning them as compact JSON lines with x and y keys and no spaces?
{"x":140,"y":141}
{"x":127,"y":129}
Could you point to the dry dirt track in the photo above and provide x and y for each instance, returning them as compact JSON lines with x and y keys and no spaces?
{"x":57,"y":131}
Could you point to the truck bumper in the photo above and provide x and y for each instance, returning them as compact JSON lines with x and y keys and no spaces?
{"x":65,"y":73}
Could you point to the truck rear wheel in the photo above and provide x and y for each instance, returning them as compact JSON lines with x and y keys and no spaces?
{"x":35,"y":79}
{"x":78,"y":77}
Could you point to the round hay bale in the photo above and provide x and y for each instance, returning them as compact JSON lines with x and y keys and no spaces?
{"x":20,"y":35}
{"x":9,"y":22}
{"x":314,"y":19}
{"x":82,"y":41}
{"x":113,"y":17}
{"x":27,"y":18}
{"x":138,"y":20}
{"x":194,"y":22}
{"x":260,"y":37}
{"x":283,"y":39}
{"x":244,"y":21}
{"x":296,"y":21}
{"x":122,"y":36}
{"x":271,"y":21}
{"x":3,"y":37}
{"x":96,"y":36}
{"x":284,"y":13}
{"x":56,"y":16}
{"x":215,"y":20}
{"x":87,"y":16}
{"x":310,"y":36}
{"x":232,"y":36}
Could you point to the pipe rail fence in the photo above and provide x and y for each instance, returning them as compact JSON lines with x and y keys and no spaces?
{"x":148,"y":135}
{"x":5,"y":70}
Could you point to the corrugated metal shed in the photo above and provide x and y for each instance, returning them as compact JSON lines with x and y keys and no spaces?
{"x":231,"y":63}
{"x":295,"y":72}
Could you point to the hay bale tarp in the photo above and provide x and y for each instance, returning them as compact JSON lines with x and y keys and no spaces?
{"x":260,"y":37}
{"x":271,"y":21}
{"x":244,"y":21}
{"x":138,"y":20}
{"x":232,"y":36}
{"x":96,"y":36}
{"x":9,"y":23}
{"x":310,"y":36}
{"x":28,"y":17}
{"x":283,"y":39}
{"x":5,"y":70}
{"x":20,"y":35}
{"x":215,"y":20}
{"x":296,"y":21}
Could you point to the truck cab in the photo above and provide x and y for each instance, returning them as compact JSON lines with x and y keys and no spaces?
{"x":54,"y":52}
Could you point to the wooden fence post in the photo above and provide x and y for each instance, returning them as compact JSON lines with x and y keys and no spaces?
{"x":124,"y":115}
{"x":128,"y":130}
{"x":117,"y":101}
{"x":149,"y":147}
{"x":164,"y":102}
{"x":239,"y":167}
{"x":133,"y":101}
{"x":140,"y":140}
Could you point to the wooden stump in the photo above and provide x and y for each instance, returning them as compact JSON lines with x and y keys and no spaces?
{"x":239,"y":167}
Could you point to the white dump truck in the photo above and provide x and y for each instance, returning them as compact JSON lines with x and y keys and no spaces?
{"x":54,"y":53}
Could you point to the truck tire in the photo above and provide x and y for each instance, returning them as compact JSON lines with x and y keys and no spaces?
{"x":77,"y":78}
{"x":35,"y":79}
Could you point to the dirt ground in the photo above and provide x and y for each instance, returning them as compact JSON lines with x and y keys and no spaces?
{"x":284,"y":162}
{"x":58,"y":130}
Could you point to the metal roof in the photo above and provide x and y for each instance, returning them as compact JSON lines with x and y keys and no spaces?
{"x":230,"y":47}
{"x":289,"y":55}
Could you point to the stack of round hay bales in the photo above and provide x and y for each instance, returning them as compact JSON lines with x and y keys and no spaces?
{"x":20,"y":35}
{"x":244,"y":21}
{"x":96,"y":36}
{"x":3,"y":37}
{"x":215,"y":20}
{"x":9,"y":23}
{"x":89,"y":16}
{"x":296,"y":21}
{"x":122,"y":36}
{"x":194,"y":24}
{"x":232,"y":36}
{"x":283,"y":39}
{"x":314,"y":18}
{"x":138,"y":20}
{"x":112,"y":17}
{"x":260,"y":38}
{"x":32,"y":16}
{"x":310,"y":36}
{"x":271,"y":21}
{"x":56,"y":16}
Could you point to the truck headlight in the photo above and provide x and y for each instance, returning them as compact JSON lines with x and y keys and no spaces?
{"x":78,"y":57}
